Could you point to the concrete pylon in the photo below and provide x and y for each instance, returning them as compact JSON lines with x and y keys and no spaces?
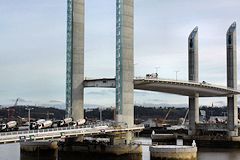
{"x":77,"y":59}
{"x":232,"y":108}
{"x":193,"y":76}
{"x":124,"y":62}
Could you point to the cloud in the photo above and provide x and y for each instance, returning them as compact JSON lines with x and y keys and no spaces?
{"x":220,"y":103}
{"x":144,"y":93}
{"x":156,"y":100}
{"x":56,"y":101}
{"x":96,"y":93}
{"x":101,"y":92}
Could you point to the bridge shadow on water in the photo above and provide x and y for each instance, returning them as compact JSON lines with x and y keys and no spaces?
{"x":80,"y":156}
{"x":94,"y":156}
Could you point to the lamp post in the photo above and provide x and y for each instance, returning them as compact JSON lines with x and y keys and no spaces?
{"x":157,"y":71}
{"x":100,"y":113}
{"x":29,"y":116}
{"x":176,"y":74}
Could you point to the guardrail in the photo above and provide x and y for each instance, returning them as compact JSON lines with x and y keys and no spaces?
{"x":62,"y":132}
{"x":206,"y":84}
{"x":53,"y":129}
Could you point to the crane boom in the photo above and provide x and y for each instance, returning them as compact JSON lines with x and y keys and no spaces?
{"x":16,"y":102}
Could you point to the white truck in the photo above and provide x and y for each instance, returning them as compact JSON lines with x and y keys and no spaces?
{"x":78,"y":122}
{"x":35,"y":125}
{"x":152,"y":76}
{"x":63,"y":123}
{"x":45,"y":124}
{"x":9,"y":126}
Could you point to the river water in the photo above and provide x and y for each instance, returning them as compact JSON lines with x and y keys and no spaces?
{"x":12,"y":152}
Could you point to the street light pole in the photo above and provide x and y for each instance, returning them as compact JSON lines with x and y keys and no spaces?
{"x":29,"y":116}
{"x":100,"y":112}
{"x":176,"y":74}
{"x":157,"y":71}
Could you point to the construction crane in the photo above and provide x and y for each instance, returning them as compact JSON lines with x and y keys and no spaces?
{"x":185,"y":117}
{"x":161,"y":122}
{"x":165,"y":118}
{"x":11,"y":110}
{"x":16,"y":102}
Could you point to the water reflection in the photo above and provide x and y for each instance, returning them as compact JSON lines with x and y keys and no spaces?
{"x":89,"y":156}
{"x":94,"y":156}
{"x":219,"y":154}
{"x":37,"y":157}
{"x":78,"y":156}
{"x":12,"y":152}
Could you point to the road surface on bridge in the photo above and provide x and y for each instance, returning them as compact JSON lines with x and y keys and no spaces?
{"x":63,"y":132}
{"x":184,"y":88}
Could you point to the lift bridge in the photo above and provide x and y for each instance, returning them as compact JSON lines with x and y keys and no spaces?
{"x":65,"y":132}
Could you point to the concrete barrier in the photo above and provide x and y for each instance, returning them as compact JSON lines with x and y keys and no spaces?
{"x":173,"y":152}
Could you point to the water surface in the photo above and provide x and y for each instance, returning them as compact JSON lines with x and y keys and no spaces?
{"x":12,"y":152}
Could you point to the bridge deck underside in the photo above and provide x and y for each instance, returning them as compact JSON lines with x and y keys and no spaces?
{"x":169,"y":86}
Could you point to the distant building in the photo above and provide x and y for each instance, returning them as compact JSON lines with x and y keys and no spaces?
{"x":202,"y":117}
{"x":149,"y":123}
{"x":218,"y":119}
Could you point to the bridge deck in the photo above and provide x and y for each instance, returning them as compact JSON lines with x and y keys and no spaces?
{"x":184,"y":88}
{"x":62,"y":132}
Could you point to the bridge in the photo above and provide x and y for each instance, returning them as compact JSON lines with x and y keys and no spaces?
{"x":64,"y":132}
{"x":185,"y":88}
{"x":124,"y":81}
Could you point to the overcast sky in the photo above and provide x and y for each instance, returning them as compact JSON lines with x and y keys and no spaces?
{"x":33,"y":47}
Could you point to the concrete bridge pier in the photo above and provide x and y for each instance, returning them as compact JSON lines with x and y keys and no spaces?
{"x":78,"y":59}
{"x":232,"y":79}
{"x":125,"y":138}
{"x":232,"y":116}
{"x":119,"y":147}
{"x":193,"y":76}
{"x":45,"y":149}
{"x":75,"y":59}
{"x":193,"y":114}
{"x":124,"y":61}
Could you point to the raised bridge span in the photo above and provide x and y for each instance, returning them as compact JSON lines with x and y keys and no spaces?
{"x":185,"y":88}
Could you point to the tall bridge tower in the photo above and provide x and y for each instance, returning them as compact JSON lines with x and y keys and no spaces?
{"x":75,"y":59}
{"x":193,"y":76}
{"x":232,"y":108}
{"x":124,"y":61}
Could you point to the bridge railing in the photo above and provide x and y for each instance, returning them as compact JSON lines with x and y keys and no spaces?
{"x":174,"y":80}
{"x":53,"y":129}
{"x":187,"y":81}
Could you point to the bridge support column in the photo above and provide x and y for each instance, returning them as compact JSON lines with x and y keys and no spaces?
{"x":232,"y":80}
{"x":78,"y":59}
{"x":120,"y":146}
{"x":193,"y":114}
{"x":124,"y":62}
{"x":193,"y":76}
{"x":122,"y":138}
{"x":44,"y":149}
{"x":232,"y":116}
